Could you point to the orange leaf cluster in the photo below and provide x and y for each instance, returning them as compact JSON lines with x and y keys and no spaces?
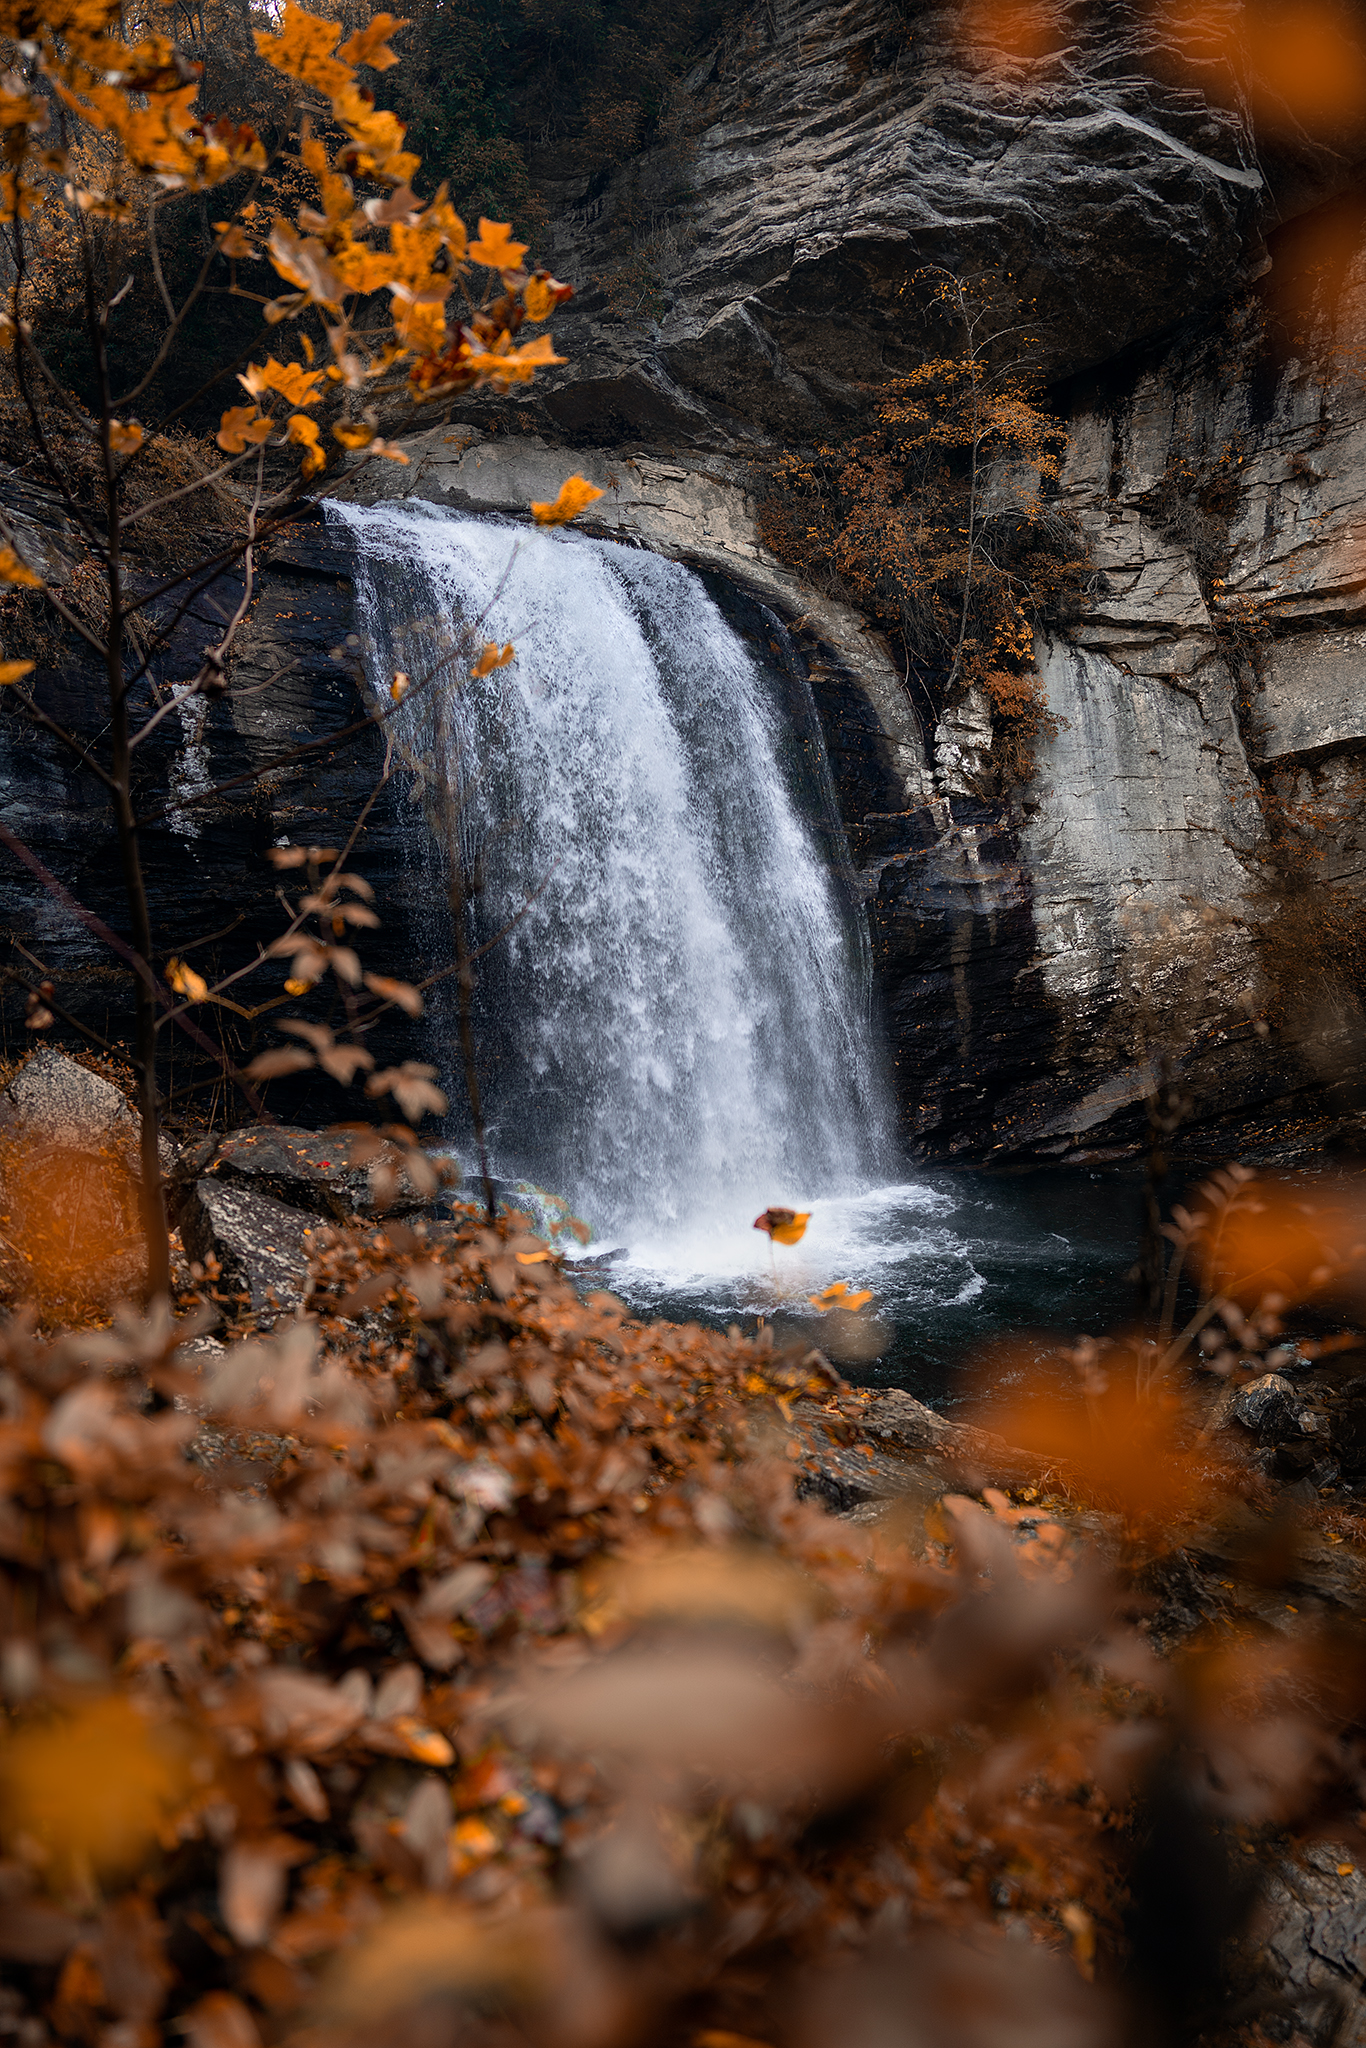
{"x":333,"y":255}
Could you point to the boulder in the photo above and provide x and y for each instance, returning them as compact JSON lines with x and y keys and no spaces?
{"x":1314,"y":1908}
{"x":312,"y":1170}
{"x":1272,"y":1409}
{"x":57,"y":1101}
{"x":262,"y":1246}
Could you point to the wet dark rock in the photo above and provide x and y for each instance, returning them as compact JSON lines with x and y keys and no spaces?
{"x":312,"y":1170}
{"x":1273,"y":1409}
{"x":261,"y":1245}
{"x":1312,"y":1926}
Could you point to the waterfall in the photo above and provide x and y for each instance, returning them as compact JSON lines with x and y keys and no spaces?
{"x":675,"y":1028}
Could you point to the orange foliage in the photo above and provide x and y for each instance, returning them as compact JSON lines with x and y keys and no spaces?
{"x":92,"y":1788}
{"x":138,"y":99}
{"x":1120,"y":1449}
{"x":938,"y":520}
{"x":1284,"y":1240}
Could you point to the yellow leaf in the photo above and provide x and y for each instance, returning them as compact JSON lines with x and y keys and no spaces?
{"x":575,"y":493}
{"x":353,"y":434}
{"x":15,"y":671}
{"x":423,"y":1743}
{"x":304,"y":431}
{"x":532,"y":1258}
{"x":124,"y":439}
{"x":368,"y":44}
{"x":542,"y":293}
{"x":15,"y":570}
{"x":296,"y":385}
{"x":241,"y":424}
{"x":303,"y":49}
{"x":493,"y":248}
{"x":294,"y":987}
{"x":304,"y":261}
{"x":390,"y":450}
{"x":232,"y":241}
{"x":491,"y":659}
{"x":839,"y":1295}
{"x":93,"y":1787}
{"x":186,"y":982}
{"x":538,"y":299}
{"x":398,"y":689}
{"x":784,"y":1226}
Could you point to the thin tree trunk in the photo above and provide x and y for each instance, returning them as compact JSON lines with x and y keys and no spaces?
{"x":152,"y":1195}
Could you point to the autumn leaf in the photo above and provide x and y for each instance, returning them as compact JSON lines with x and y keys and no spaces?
{"x":186,"y":982}
{"x":124,"y":439}
{"x":304,"y":431}
{"x":304,"y":261}
{"x":232,"y":240}
{"x":412,"y":1089}
{"x":296,"y":385}
{"x":15,"y":570}
{"x":303,"y":50}
{"x":353,"y":434}
{"x":784,"y":1226}
{"x":575,"y":494}
{"x":542,"y":293}
{"x":399,"y":687}
{"x":220,"y":2021}
{"x":492,"y":658}
{"x":838,"y":1295}
{"x":369,"y":44}
{"x":92,"y":1787}
{"x":240,"y":425}
{"x":280,"y":1059}
{"x":401,"y":992}
{"x":493,"y":248}
{"x":15,"y":671}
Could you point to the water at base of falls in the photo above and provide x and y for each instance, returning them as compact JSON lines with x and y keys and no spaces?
{"x":674,"y":1026}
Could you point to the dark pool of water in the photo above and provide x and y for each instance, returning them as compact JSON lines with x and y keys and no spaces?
{"x":956,"y":1262}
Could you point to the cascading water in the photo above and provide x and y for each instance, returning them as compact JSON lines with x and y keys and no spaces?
{"x":683,"y":1032}
{"x":673,"y":1027}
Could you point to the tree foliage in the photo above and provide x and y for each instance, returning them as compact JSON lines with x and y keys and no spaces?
{"x":938,"y":519}
{"x":462,"y":1663}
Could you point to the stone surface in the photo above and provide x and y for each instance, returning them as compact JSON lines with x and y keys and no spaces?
{"x":824,"y":153}
{"x":309,"y":1170}
{"x":59,"y":1102}
{"x":1265,"y":1404}
{"x":1312,"y":1926}
{"x":261,"y":1245}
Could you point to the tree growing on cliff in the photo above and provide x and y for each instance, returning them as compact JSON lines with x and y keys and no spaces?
{"x":938,"y":519}
{"x":380,"y":290}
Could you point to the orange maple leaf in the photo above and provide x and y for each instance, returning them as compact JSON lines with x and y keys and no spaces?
{"x":574,"y":494}
{"x":494,"y":250}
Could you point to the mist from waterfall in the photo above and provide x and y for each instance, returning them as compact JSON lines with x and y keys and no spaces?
{"x":676,"y":1031}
